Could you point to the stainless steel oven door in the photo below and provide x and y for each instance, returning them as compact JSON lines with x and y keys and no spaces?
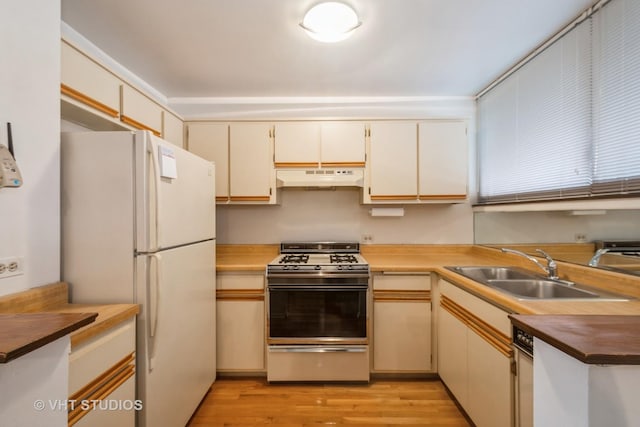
{"x":322,"y":312}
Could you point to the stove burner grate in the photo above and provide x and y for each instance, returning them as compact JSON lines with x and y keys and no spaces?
{"x":295,"y":259}
{"x":343,"y":258}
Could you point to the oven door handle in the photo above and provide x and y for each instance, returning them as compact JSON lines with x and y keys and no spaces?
{"x":314,"y":349}
{"x":299,"y":288}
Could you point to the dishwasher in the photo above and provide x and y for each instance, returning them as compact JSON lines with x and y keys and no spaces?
{"x":523,"y":357}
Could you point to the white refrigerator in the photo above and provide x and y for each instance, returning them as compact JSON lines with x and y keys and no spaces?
{"x":138,"y":226}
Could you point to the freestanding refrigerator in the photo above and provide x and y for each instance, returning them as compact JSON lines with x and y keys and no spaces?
{"x":138,"y":226}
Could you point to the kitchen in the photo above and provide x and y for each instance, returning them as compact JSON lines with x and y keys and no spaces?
{"x":34,"y":211}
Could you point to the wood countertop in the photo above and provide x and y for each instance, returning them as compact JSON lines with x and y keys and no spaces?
{"x":53,"y":300}
{"x":433,"y":258}
{"x":603,"y":340}
{"x":245,"y":257}
{"x":25,"y":332}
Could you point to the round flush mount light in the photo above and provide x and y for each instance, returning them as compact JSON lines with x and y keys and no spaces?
{"x":330,"y":22}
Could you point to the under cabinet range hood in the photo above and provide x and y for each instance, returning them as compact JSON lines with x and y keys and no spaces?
{"x":320,"y":178}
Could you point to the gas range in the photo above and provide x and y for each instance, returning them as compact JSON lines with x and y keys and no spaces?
{"x":319,"y":258}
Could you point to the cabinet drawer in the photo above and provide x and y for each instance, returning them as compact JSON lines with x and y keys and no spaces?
{"x":98,"y":355}
{"x":401,"y":282}
{"x":240,"y":281}
{"x":489,"y":313}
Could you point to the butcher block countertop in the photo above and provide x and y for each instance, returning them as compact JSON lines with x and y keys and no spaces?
{"x":602,"y":340}
{"x":245,"y":257}
{"x":23,"y":333}
{"x":53,"y":300}
{"x":434,"y":258}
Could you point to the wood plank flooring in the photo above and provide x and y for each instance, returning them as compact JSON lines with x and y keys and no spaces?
{"x":254,"y":402}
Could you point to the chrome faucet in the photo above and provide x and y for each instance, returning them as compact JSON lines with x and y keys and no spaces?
{"x":596,"y":257}
{"x":552,"y":267}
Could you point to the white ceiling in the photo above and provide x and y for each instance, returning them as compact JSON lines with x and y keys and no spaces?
{"x":255,"y":48}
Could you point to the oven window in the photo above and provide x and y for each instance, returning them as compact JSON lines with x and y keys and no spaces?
{"x":317,"y":313}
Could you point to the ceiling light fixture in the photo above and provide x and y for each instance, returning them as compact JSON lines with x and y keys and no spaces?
{"x":330,"y":22}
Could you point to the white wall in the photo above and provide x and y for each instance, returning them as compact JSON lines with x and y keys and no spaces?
{"x":338,"y":215}
{"x":30,"y":100}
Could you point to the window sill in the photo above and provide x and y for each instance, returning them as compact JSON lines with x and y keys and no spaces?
{"x":579,"y":206}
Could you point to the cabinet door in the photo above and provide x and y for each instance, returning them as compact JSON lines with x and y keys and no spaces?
{"x":402,"y":323}
{"x":139,"y":111}
{"x":297,"y":144}
{"x":442,"y":148}
{"x":393,"y":167}
{"x":211,"y":141}
{"x":172,"y":129}
{"x":452,"y":355}
{"x":241,"y":335}
{"x":88,"y":83}
{"x":489,"y":384}
{"x":250,"y":166}
{"x":402,"y":336}
{"x":240,"y":322}
{"x":342,"y":144}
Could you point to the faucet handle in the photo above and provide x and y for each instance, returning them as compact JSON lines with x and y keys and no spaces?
{"x":545,"y":255}
{"x":552,"y":266}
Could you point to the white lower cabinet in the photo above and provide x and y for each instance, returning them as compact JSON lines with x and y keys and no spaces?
{"x":402,"y":323}
{"x":452,"y":355}
{"x":240,"y":322}
{"x":474,"y":356}
{"x":102,"y":379}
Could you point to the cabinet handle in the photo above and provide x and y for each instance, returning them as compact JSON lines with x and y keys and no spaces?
{"x":136,"y":124}
{"x":251,"y":198}
{"x":87,"y":100}
{"x":443,"y":197}
{"x":296,"y":164}
{"x":395,"y":197}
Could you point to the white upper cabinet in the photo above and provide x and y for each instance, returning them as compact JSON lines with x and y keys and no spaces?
{"x":172,"y":129}
{"x":443,"y":159}
{"x":392,"y":164}
{"x":314,"y":144}
{"x":297,"y":144}
{"x":252,"y":176}
{"x":211,"y":141}
{"x":86,"y":82}
{"x":139,"y":111}
{"x":342,"y":144}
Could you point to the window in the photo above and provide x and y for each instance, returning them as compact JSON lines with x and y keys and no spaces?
{"x":616,"y":100}
{"x":565,"y":124}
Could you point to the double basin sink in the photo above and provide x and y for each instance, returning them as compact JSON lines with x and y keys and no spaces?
{"x":524,"y":285}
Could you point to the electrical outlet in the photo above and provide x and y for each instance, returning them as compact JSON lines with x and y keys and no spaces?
{"x":580,"y":237}
{"x":367,"y":238}
{"x":13,"y":266}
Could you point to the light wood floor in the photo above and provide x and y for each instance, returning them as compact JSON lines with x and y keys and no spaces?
{"x":254,"y":402}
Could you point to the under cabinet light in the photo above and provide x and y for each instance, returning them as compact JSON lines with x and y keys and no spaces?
{"x":386,"y":211}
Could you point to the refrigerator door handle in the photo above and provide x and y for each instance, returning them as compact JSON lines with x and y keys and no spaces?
{"x":154,"y":153}
{"x":155,"y":279}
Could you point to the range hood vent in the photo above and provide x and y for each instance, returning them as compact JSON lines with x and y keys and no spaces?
{"x":320,"y":178}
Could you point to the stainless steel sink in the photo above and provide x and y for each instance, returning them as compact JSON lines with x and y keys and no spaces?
{"x":526,"y":285}
{"x":540,"y":289}
{"x":482,"y":274}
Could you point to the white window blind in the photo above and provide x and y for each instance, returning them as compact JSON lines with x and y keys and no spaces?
{"x":534,"y":127}
{"x":567,"y":123}
{"x":616,"y":100}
